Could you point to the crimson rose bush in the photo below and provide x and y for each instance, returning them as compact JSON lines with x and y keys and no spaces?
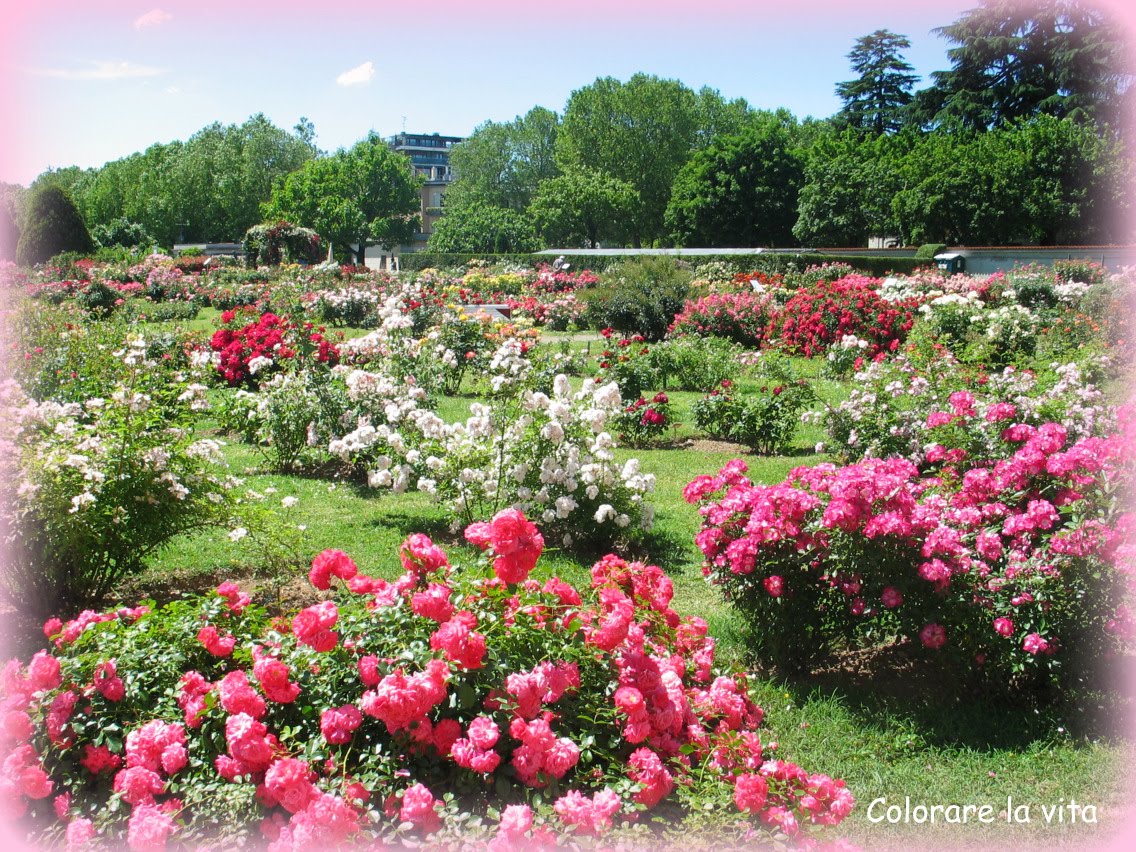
{"x":1016,"y":559}
{"x":820,"y":314}
{"x":242,"y":351}
{"x":394,"y":712}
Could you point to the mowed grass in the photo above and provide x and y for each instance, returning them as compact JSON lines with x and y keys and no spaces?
{"x":887,"y":724}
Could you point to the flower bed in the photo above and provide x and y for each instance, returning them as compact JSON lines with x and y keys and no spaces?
{"x":474,"y":702}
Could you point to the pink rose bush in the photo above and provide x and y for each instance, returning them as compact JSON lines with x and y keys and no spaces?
{"x":1012,"y":554}
{"x":900,"y":405}
{"x":740,"y":317}
{"x":391,"y":710}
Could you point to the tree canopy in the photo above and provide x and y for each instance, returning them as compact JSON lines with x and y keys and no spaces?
{"x":361,"y":196}
{"x":1014,"y":60}
{"x":582,"y":208}
{"x":740,"y":191}
{"x":642,"y":132}
{"x":206,"y":189}
{"x":475,"y":228}
{"x":503,"y":164}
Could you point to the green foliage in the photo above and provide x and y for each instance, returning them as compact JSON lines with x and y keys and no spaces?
{"x":504,"y":164}
{"x":1081,"y":270}
{"x":419,"y":260}
{"x":739,"y":191}
{"x":641,"y":296}
{"x":96,"y":298}
{"x":122,"y":232}
{"x":143,"y":310}
{"x":765,"y":420}
{"x":290,"y":419}
{"x":877,"y":100}
{"x":695,"y":363}
{"x":850,"y":179}
{"x":927,"y":251}
{"x":642,"y":423}
{"x":110,"y":480}
{"x":357,"y":197}
{"x":1042,"y":180}
{"x":629,"y":364}
{"x":583,"y":207}
{"x":479,"y":227}
{"x":208,"y":188}
{"x":1062,"y":58}
{"x":642,"y":132}
{"x":52,"y":224}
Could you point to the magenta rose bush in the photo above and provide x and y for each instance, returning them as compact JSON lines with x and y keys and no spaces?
{"x":473,"y":702}
{"x":1012,"y":554}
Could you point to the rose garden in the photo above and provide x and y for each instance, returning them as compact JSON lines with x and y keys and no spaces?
{"x":305,"y":557}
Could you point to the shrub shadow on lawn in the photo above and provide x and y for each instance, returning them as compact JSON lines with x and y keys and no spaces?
{"x":413,"y":520}
{"x":886,"y":684}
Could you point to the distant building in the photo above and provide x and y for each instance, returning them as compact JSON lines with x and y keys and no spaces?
{"x":430,"y":156}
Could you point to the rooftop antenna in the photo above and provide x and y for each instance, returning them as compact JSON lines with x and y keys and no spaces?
{"x":404,"y":124}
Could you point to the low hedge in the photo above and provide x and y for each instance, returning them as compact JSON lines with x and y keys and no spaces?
{"x":770,"y":262}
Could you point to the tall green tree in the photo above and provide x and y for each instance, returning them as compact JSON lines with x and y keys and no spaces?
{"x":740,"y":191}
{"x":1013,"y":60}
{"x":583,"y":207}
{"x":877,"y":99}
{"x":482,"y":228}
{"x":850,"y":178}
{"x":642,"y":132}
{"x":502,"y":164}
{"x":1041,"y":180}
{"x":51,"y":224}
{"x":206,"y":189}
{"x":362,"y":196}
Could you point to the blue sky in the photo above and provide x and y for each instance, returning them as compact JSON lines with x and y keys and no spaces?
{"x":94,"y":81}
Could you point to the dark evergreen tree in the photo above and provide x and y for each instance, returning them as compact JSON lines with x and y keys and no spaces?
{"x":52,"y":224}
{"x":1015,"y":60}
{"x":877,"y":100}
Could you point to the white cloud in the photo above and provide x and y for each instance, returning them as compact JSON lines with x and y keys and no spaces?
{"x":357,"y":76}
{"x":152,"y":19}
{"x":100,"y":70}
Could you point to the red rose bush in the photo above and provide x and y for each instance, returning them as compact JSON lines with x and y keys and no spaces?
{"x":393,"y":712}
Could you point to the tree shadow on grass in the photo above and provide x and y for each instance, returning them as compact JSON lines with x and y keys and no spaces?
{"x":662,"y":548}
{"x":407,"y":521}
{"x":890,"y":686}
